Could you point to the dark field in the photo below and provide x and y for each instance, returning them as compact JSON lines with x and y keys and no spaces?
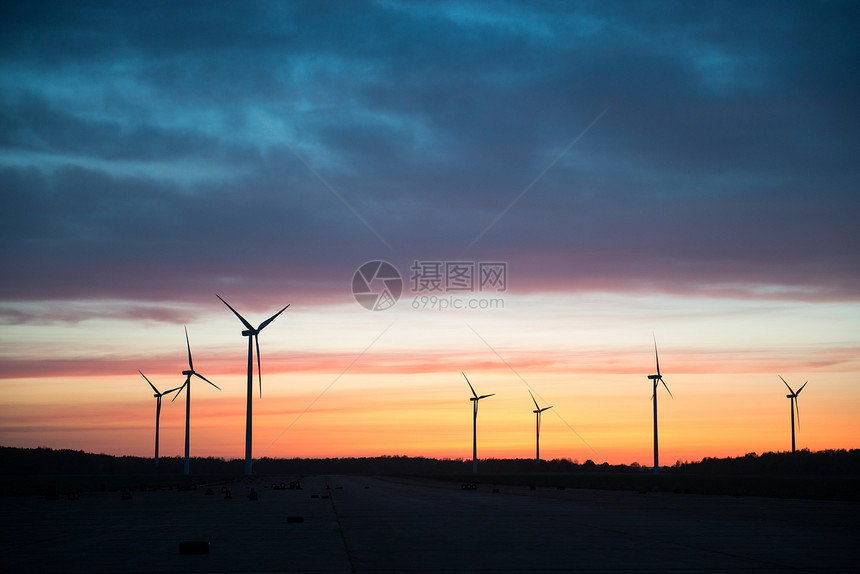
{"x":340,"y":523}
{"x":823,"y":475}
{"x":812,"y":487}
{"x":803,"y":487}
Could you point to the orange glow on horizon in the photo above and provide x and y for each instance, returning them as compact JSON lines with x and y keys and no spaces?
{"x":404,"y":394}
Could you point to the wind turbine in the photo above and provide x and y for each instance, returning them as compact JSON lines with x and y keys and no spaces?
{"x":253,"y":338}
{"x":537,"y":412}
{"x":655,"y":379}
{"x":187,"y":386}
{"x":157,"y":396}
{"x":794,"y":410}
{"x":475,"y":398}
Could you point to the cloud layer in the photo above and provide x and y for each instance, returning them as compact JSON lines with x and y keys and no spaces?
{"x":166,"y":153}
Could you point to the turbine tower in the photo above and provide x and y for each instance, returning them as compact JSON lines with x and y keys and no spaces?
{"x":157,"y":396}
{"x":794,"y":411}
{"x":537,"y":412}
{"x":655,"y":379}
{"x":475,"y":398}
{"x":253,"y":338}
{"x":187,"y":386}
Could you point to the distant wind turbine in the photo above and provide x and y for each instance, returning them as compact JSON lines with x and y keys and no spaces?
{"x":157,"y":396}
{"x":187,"y":386}
{"x":253,"y":338}
{"x":475,"y":398}
{"x":794,"y":410}
{"x":657,"y":378}
{"x":537,"y":412}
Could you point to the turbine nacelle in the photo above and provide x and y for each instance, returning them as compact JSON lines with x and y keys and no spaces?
{"x":794,"y":393}
{"x":158,"y":394}
{"x":658,"y":377}
{"x":537,"y":406}
{"x":250,"y":331}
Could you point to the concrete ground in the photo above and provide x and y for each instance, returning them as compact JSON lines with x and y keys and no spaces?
{"x":362,"y":524}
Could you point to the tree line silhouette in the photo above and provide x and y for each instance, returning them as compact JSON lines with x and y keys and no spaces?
{"x":46,"y":461}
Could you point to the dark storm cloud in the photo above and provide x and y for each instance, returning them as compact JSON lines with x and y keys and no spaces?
{"x":145,"y":149}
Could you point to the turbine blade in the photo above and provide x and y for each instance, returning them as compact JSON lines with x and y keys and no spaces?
{"x":188,"y":344}
{"x":798,"y":390}
{"x":545,"y":408}
{"x":485,"y":396}
{"x":656,"y":356}
{"x":207,"y":380}
{"x":470,"y":385}
{"x":786,"y":384}
{"x":533,"y":399}
{"x":270,"y":319}
{"x":667,"y":387}
{"x":235,"y":312}
{"x":259,"y":372}
{"x":179,"y":390}
{"x":797,"y":411}
{"x":150,"y":384}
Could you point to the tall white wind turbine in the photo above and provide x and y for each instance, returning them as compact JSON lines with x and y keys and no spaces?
{"x":794,"y":411}
{"x":537,"y":412}
{"x":658,"y":378}
{"x":187,"y":386}
{"x":253,"y":339}
{"x":157,"y":396}
{"x":475,"y":398}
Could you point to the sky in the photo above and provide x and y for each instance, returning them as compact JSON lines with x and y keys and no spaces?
{"x":553,"y":187}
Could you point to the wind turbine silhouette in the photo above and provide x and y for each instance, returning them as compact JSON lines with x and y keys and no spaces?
{"x":253,"y":338}
{"x":157,"y":396}
{"x":655,"y":379}
{"x":475,"y":398}
{"x":794,"y":409}
{"x":187,"y":386}
{"x":537,"y":412}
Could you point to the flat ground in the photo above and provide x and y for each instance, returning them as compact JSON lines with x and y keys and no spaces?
{"x":362,"y":524}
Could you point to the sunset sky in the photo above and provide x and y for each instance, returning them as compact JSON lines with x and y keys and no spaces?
{"x":682,"y":171}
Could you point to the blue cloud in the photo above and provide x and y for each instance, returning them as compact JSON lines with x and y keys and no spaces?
{"x":205,"y":140}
